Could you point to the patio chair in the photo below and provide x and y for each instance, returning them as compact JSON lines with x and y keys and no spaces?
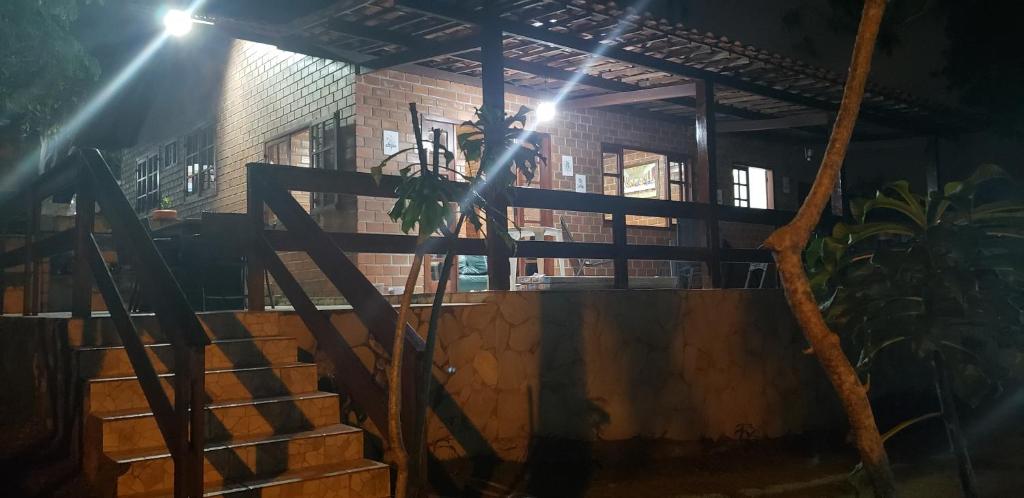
{"x":579,"y":265}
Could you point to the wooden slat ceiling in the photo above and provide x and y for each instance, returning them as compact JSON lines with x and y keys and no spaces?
{"x":355,"y":28}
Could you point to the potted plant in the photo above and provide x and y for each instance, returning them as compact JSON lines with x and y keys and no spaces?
{"x":165,"y":212}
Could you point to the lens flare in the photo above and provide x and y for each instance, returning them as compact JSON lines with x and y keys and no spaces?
{"x":546,"y":111}
{"x":177,"y":23}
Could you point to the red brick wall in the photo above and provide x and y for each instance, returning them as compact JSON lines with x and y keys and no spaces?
{"x":382,"y":100}
{"x":266,"y":93}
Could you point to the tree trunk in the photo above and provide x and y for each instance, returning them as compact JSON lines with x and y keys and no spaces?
{"x":425,"y":374}
{"x":787,"y":244}
{"x":957,"y":442}
{"x":398,"y":454}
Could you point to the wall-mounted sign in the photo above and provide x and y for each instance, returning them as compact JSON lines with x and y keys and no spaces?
{"x":566,"y":165}
{"x":390,"y":142}
{"x":581,"y":183}
{"x":640,"y":180}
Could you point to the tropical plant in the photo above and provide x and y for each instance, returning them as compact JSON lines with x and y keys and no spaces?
{"x":425,"y":197}
{"x":937,"y":279}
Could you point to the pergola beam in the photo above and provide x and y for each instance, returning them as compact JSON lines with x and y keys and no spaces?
{"x":796,"y":121}
{"x":594,"y":46}
{"x":373,"y":33}
{"x":584,"y":79}
{"x":425,"y":51}
{"x":631,"y":97}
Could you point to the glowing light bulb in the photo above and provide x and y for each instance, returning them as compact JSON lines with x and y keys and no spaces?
{"x":177,"y":22}
{"x":546,"y":111}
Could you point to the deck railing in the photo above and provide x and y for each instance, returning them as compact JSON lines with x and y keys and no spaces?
{"x":86,"y":174}
{"x":271,"y":186}
{"x":619,"y":251}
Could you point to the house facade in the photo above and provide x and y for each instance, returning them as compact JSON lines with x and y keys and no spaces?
{"x":258,"y":103}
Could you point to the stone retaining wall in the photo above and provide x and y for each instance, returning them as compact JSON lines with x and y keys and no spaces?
{"x":612,"y":366}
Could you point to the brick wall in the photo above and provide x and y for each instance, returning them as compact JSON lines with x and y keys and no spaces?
{"x":264,"y":93}
{"x":382,"y":100}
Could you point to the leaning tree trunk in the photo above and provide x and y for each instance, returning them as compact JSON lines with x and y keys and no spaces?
{"x":426,"y":371}
{"x":787,"y":244}
{"x":957,"y":442}
{"x":398,"y":455}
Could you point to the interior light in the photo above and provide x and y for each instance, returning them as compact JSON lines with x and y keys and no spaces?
{"x":546,"y":111}
{"x":177,"y":22}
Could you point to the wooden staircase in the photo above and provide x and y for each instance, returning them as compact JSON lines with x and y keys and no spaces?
{"x":269,"y":431}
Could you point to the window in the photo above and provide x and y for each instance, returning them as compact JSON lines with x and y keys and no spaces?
{"x":316,"y":147}
{"x":428,"y":125}
{"x":752,"y":187}
{"x":200,"y":171}
{"x":171,"y":155}
{"x":147,"y":184}
{"x":325,"y":153}
{"x":645,"y":175}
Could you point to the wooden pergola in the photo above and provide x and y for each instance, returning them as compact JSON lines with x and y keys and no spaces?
{"x":595,"y":54}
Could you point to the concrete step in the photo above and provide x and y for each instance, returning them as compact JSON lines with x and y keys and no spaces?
{"x":100,"y":330}
{"x":112,"y":361}
{"x":137,"y":430}
{"x":355,"y":479}
{"x":242,"y":460}
{"x":125,"y":393}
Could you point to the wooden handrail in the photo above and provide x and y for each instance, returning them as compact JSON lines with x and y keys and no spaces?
{"x":158,"y":401}
{"x":86,"y":173}
{"x":372,"y":309}
{"x":352,"y":376}
{"x":53,"y":245}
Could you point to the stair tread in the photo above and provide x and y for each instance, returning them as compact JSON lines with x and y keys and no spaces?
{"x":294,"y":364}
{"x":213,"y":342}
{"x":125,"y":414}
{"x":129,"y":456}
{"x":318,"y":472}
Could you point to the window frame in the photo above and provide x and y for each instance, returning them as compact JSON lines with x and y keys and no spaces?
{"x":685,"y":181}
{"x":769,"y":186}
{"x":451,"y":128}
{"x":739,"y":200}
{"x":200,"y":164}
{"x":147,"y":183}
{"x":325,"y":141}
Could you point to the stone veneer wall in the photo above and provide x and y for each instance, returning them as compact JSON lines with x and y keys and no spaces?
{"x":611,"y":366}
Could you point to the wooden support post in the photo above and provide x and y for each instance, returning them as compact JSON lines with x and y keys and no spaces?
{"x":30,"y":301}
{"x":707,"y":163}
{"x":197,"y":419}
{"x":85,"y":218}
{"x":621,"y":280}
{"x":255,"y":269}
{"x":493,"y":83}
{"x":189,"y":413}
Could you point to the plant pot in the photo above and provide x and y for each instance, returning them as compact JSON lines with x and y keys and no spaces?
{"x":164,"y":215}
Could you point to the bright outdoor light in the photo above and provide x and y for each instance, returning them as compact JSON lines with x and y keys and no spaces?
{"x":546,"y":111}
{"x":177,"y":22}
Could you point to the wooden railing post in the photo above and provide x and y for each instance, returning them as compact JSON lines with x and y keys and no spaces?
{"x":255,"y":269}
{"x":707,"y":162}
{"x":619,"y":240}
{"x":85,"y":217}
{"x":30,"y":303}
{"x":493,"y":89}
{"x":189,"y":418}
